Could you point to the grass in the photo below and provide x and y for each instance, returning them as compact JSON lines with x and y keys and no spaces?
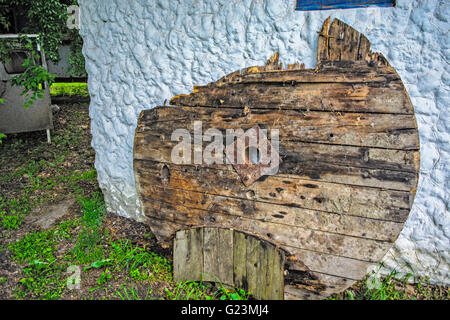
{"x":393,"y":287}
{"x":191,"y":290}
{"x":69,"y":89}
{"x":43,"y":273}
{"x":138,"y":262}
{"x":13,"y":210}
{"x":133,"y":293}
{"x":87,"y":248}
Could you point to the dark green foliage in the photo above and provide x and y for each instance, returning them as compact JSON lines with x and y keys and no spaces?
{"x":45,"y":17}
{"x":34,"y":76}
{"x":48,"y":19}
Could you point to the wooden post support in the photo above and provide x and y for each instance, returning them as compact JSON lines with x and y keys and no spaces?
{"x":230,"y":258}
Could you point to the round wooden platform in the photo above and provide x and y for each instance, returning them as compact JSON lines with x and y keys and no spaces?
{"x":350,"y":159}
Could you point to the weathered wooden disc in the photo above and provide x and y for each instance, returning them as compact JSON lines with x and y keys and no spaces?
{"x":350,"y":158}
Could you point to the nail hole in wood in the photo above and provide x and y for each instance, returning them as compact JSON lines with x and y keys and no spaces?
{"x":165,"y":174}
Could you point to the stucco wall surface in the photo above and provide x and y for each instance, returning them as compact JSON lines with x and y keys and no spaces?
{"x":141,"y":52}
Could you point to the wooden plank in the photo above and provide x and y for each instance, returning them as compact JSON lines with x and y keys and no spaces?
{"x":314,"y":164}
{"x":218,"y":255}
{"x":340,"y":42}
{"x":240,"y":260}
{"x":188,"y":255}
{"x":276,"y":260}
{"x":335,"y":97}
{"x":253,"y":249}
{"x":225,"y":254}
{"x":313,"y":219}
{"x":258,"y":269}
{"x":401,"y":181}
{"x":342,"y":267}
{"x":343,"y":42}
{"x":263,"y":270}
{"x":322,"y":41}
{"x":325,"y":72}
{"x":323,"y":263}
{"x":271,"y":269}
{"x":371,"y":130}
{"x":296,"y":154}
{"x":302,"y":238}
{"x":278,"y":199}
{"x":303,"y":292}
{"x":319,"y":171}
{"x":211,"y":255}
{"x":264,"y":264}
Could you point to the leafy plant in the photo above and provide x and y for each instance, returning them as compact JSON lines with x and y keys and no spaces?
{"x":13,"y":210}
{"x":34,"y":246}
{"x":34,"y":76}
{"x":76,"y":60}
{"x":233,"y":294}
{"x":11,"y":222}
{"x":42,"y":279}
{"x":104,"y":277}
{"x":191,"y":290}
{"x":99,"y":264}
{"x":48,"y":19}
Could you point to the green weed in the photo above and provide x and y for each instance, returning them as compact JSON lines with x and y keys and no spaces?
{"x":87,"y":248}
{"x":43,"y":274}
{"x":34,"y":246}
{"x":13,"y":210}
{"x":392,"y":287}
{"x":104,"y":277}
{"x":134,"y":293}
{"x":42,"y":279}
{"x":140,"y":264}
{"x":10,"y":222}
{"x":191,"y":290}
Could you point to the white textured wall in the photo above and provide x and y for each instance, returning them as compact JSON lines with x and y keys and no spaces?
{"x":141,"y":52}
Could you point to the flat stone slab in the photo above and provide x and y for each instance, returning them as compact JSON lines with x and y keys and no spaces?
{"x":48,"y":216}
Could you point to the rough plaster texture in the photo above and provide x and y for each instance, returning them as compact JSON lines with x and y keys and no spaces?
{"x":141,"y":52}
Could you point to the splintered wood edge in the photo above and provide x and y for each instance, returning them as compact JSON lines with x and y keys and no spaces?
{"x":329,"y":31}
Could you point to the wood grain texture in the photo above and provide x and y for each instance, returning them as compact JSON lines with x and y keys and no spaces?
{"x":230,"y":258}
{"x":349,"y":151}
{"x":188,"y":247}
{"x":372,"y":130}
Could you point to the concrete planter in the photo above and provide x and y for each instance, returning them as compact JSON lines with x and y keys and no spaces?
{"x":14,"y":118}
